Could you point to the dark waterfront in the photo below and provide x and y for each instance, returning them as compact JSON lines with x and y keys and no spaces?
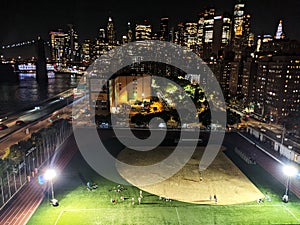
{"x":15,"y":97}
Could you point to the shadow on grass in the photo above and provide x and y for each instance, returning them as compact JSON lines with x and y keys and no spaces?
{"x":150,"y":203}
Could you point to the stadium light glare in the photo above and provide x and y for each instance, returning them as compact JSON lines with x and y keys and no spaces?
{"x":289,"y":171}
{"x":49,"y":175}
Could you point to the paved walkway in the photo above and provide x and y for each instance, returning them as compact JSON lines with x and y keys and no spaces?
{"x":21,"y":208}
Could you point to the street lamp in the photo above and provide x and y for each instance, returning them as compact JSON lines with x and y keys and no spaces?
{"x":289,"y":171}
{"x":49,"y":175}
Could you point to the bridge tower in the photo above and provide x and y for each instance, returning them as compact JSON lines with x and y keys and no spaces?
{"x":41,"y":65}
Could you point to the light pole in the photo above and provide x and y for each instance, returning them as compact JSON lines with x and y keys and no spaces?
{"x":289,"y":171}
{"x":281,"y":143}
{"x":50,"y":174}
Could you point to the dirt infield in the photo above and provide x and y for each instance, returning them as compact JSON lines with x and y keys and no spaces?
{"x":222,"y":178}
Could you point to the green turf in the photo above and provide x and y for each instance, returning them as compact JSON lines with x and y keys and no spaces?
{"x":79,"y":206}
{"x":178,"y":215}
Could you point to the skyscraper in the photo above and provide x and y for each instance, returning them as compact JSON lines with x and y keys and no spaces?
{"x":279,"y":33}
{"x":111,"y":33}
{"x":226,"y":30}
{"x":130,"y":37}
{"x":241,"y":29}
{"x":72,"y":44}
{"x":164,"y":29}
{"x":246,"y":28}
{"x":209,"y":16}
{"x":57,"y":41}
{"x":172,"y":35}
{"x":221,"y":33}
{"x":200,"y":33}
{"x":217,"y":35}
{"x":179,"y":34}
{"x":238,"y":16}
{"x":101,"y":45}
{"x":208,"y":32}
{"x":248,"y":78}
{"x":190,"y":35}
{"x":143,"y":31}
{"x":124,"y":39}
{"x":235,"y":81}
{"x":86,"y":51}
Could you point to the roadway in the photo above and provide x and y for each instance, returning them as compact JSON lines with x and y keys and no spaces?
{"x":274,"y":131}
{"x":21,"y":132}
{"x":279,"y":137}
{"x":34,"y":114}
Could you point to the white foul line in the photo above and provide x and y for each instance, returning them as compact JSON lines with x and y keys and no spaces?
{"x":60,"y":214}
{"x":288,"y":210}
{"x":178,"y":216}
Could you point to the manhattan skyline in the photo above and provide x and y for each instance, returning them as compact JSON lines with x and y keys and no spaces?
{"x":27,"y":20}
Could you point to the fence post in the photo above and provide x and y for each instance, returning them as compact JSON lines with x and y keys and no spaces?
{"x":9,"y":191}
{"x":2,"y":192}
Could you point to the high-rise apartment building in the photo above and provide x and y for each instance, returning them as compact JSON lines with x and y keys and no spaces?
{"x":249,"y":76}
{"x":235,"y":82}
{"x":277,"y":87}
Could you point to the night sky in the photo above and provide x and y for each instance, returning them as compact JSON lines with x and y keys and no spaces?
{"x":25,"y":20}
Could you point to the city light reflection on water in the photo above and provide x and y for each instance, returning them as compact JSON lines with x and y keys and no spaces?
{"x":15,"y":97}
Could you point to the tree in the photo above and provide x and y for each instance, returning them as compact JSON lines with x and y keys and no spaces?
{"x":291,"y":122}
{"x":233,"y":118}
{"x":138,"y":119}
{"x":25,"y":145}
{"x":205,"y":117}
{"x":16,"y":153}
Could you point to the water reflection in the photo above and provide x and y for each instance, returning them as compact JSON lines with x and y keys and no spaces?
{"x":29,"y":93}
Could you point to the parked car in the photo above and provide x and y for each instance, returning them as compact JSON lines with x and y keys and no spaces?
{"x":70,"y":118}
{"x":3,"y":126}
{"x":3,"y":118}
{"x":103,"y":125}
{"x":20,"y":122}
